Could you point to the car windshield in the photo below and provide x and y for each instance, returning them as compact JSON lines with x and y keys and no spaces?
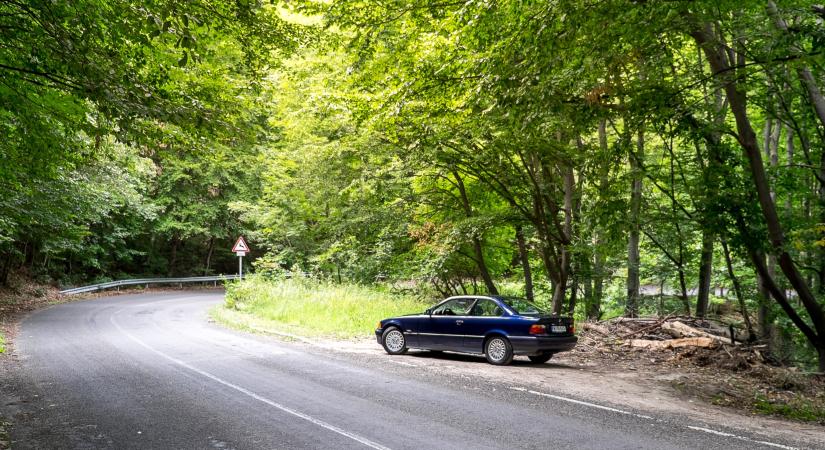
{"x":522,"y":306}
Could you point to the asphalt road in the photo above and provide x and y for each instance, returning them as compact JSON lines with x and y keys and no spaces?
{"x":151,"y":371}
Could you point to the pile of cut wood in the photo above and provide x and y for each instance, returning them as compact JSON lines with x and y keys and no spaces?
{"x":661,"y":333}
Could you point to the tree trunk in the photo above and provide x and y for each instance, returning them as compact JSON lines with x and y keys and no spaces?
{"x":805,"y":76}
{"x":764,"y":317}
{"x":705,"y":272}
{"x":574,"y":291}
{"x":524,"y":256}
{"x":587,"y":284}
{"x":683,"y":291}
{"x":633,"y":257}
{"x":737,"y":289}
{"x":737,"y":102}
{"x":478,"y":251}
{"x":817,"y":102}
{"x":564,"y":267}
{"x":595,"y":305}
{"x":595,"y":309}
{"x":173,"y":259}
{"x":209,"y":251}
{"x":789,"y":151}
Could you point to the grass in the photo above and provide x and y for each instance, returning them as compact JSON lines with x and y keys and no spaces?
{"x":308,"y":307}
{"x":798,"y":408}
{"x":2,"y":343}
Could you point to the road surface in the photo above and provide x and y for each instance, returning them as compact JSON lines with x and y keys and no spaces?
{"x":151,"y":371}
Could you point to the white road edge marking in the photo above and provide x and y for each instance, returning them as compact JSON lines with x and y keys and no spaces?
{"x":579,"y":402}
{"x":607,"y":408}
{"x":245,"y":391}
{"x":741,"y":438}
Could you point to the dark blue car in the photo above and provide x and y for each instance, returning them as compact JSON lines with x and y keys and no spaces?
{"x":498,"y":327}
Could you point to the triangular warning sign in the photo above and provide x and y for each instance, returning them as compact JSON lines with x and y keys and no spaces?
{"x":240,"y":245}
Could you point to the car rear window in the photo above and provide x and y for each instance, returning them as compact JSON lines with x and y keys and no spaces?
{"x":522,"y":306}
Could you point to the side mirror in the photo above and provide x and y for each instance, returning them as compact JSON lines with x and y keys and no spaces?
{"x":429,"y":311}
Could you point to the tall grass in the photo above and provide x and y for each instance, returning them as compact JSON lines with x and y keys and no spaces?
{"x":2,"y":344}
{"x":311,"y":307}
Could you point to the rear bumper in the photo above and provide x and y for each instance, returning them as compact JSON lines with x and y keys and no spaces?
{"x":530,"y":345}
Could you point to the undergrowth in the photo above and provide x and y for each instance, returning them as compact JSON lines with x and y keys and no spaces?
{"x":311,"y":307}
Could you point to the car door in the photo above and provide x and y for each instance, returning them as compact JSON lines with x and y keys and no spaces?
{"x":484,"y":316}
{"x":445,"y":326}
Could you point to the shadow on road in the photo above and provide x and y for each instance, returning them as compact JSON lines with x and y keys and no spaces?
{"x":462,"y":357}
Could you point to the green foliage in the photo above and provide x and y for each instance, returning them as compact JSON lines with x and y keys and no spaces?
{"x":310,"y":307}
{"x":409,"y":141}
{"x":128,"y":130}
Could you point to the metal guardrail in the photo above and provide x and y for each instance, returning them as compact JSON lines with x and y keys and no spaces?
{"x":147,"y":282}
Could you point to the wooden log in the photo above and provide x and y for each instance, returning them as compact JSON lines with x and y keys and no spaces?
{"x":680,"y":330}
{"x":647,"y":328}
{"x":703,"y":342}
{"x":595,"y":327}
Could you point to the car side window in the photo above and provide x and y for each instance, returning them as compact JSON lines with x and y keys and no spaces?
{"x":455,"y":307}
{"x":485,"y":307}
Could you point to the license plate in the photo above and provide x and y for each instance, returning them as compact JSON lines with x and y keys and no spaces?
{"x":558,"y":329}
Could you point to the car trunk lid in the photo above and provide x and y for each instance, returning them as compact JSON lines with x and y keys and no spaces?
{"x":557,"y":326}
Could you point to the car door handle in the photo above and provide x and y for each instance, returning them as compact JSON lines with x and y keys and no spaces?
{"x":459,"y":322}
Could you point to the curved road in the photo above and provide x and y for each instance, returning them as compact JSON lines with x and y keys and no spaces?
{"x":151,"y":371}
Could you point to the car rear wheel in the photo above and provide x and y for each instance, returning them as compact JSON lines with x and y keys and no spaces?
{"x":498,"y":351}
{"x":394,"y":341}
{"x":540,"y":359}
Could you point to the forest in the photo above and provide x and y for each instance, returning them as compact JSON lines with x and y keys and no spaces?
{"x":619,"y":157}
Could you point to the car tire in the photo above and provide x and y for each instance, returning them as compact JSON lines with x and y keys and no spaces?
{"x":540,"y":359}
{"x":498,"y":351}
{"x":394,"y":341}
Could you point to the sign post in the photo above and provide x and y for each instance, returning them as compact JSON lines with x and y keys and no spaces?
{"x":240,"y":248}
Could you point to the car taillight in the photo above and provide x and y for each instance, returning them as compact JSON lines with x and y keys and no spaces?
{"x":571,"y":327}
{"x":538,"y":329}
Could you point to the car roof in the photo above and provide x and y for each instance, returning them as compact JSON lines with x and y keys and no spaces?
{"x":479,"y":296}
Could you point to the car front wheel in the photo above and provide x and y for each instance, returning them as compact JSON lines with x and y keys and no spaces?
{"x":394,"y":341}
{"x":540,"y":359}
{"x":498,"y":351}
